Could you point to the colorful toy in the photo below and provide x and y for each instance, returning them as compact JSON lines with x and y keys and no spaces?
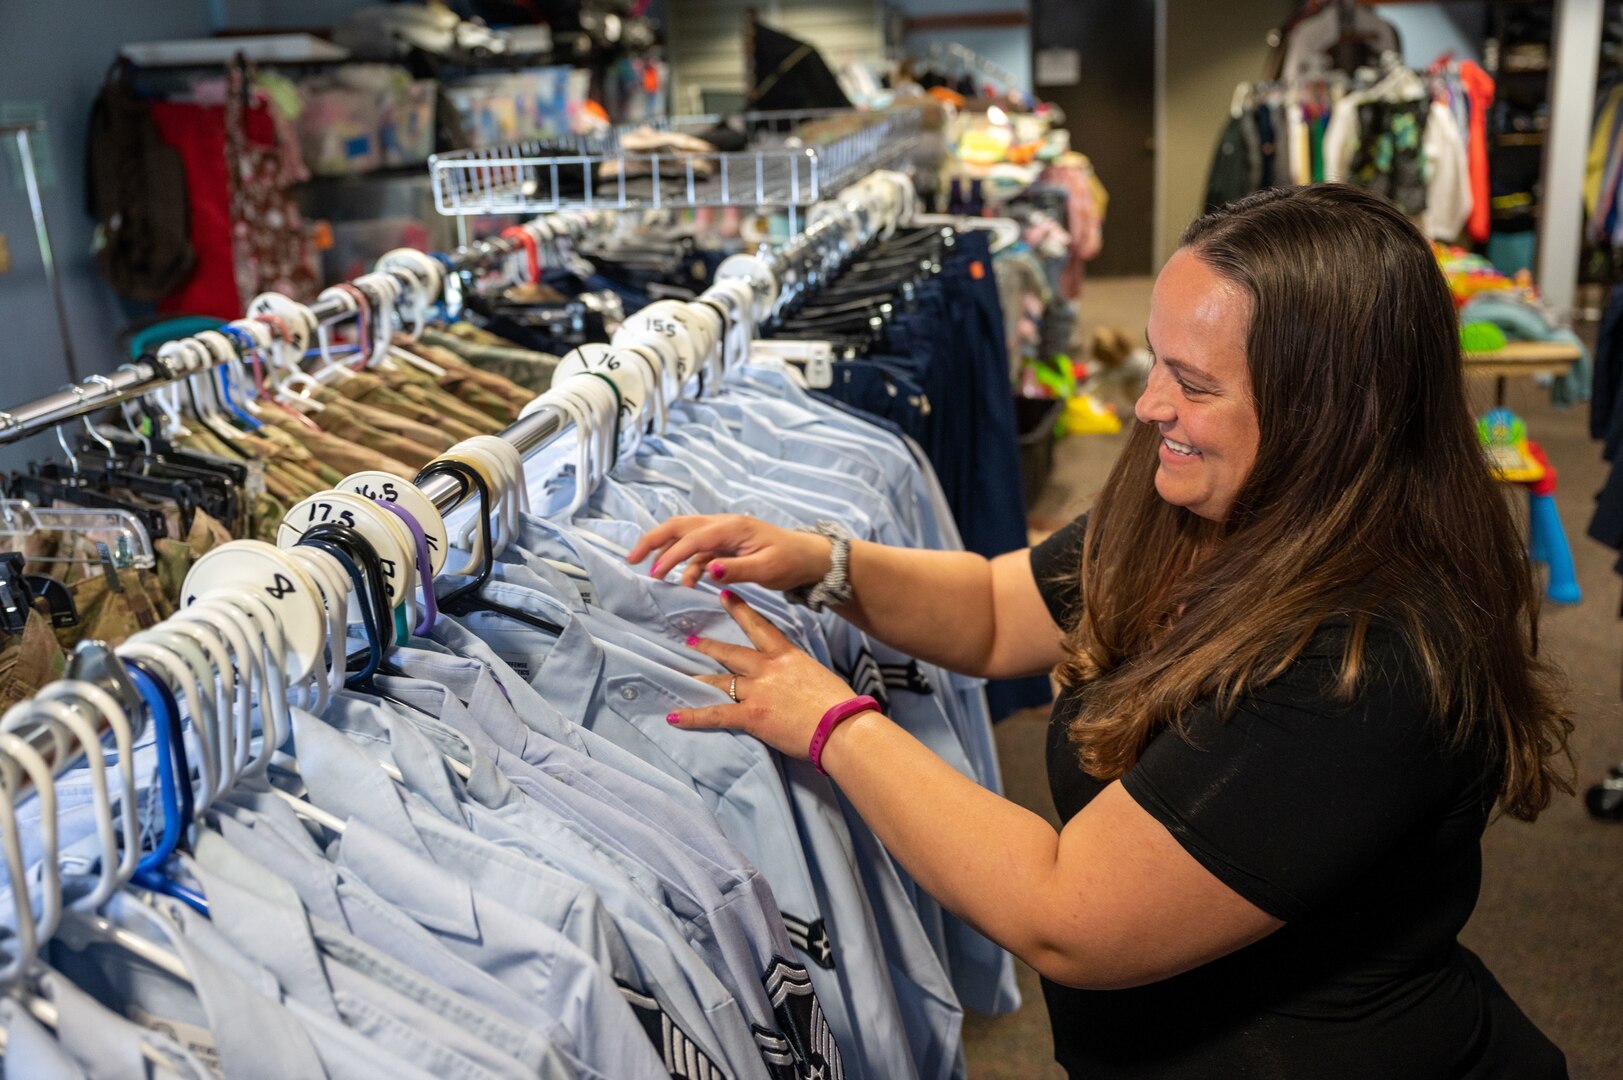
{"x":1518,"y":460}
{"x":1504,"y":437}
{"x":1087,"y":415}
{"x":1469,"y":274}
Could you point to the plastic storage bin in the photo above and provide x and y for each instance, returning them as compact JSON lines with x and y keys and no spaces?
{"x":1036,"y":418}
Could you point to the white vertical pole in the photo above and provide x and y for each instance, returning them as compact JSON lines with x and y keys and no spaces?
{"x":1574,"y":63}
{"x":1159,"y":223}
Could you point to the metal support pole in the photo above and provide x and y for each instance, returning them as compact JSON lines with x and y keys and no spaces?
{"x":42,"y":234}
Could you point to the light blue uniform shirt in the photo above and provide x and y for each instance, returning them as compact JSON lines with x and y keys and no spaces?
{"x":535,"y":817}
{"x":234,"y":1011}
{"x":625,"y":697}
{"x":438,"y":926}
{"x":344,"y":979}
{"x":32,"y":1051}
{"x":925,"y":995}
{"x":607,"y":918}
{"x":99,"y":1042}
{"x":982,"y":972}
{"x":945,"y":712}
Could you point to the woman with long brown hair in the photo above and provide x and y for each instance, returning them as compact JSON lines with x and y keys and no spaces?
{"x":1298,"y":645}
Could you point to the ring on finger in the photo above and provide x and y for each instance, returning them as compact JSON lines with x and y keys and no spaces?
{"x":732,"y":690}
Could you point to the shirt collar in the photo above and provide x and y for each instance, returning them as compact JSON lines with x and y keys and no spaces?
{"x":389,"y":735}
{"x":440,"y":901}
{"x":443,"y":720}
{"x":467,"y":678}
{"x":534,"y":711}
{"x":343,"y":780}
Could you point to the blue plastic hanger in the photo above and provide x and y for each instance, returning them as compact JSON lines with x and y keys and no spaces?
{"x":174,"y":787}
{"x":252,"y":422}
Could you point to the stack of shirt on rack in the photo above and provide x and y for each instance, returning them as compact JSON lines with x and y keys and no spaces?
{"x":560,"y":883}
{"x":939,"y":377}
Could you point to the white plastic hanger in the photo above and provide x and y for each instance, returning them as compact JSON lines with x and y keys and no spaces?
{"x":238,"y":673}
{"x":185,"y":683}
{"x":18,"y":753}
{"x":248,"y":647}
{"x":26,"y":945}
{"x":99,"y":702}
{"x":334,"y":584}
{"x":574,"y":412}
{"x":221,"y":687}
{"x":384,"y":292}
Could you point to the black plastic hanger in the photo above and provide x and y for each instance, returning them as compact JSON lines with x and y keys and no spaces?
{"x":45,"y":491}
{"x":15,"y":598}
{"x":59,"y":605}
{"x":360,"y":560}
{"x":183,"y":493}
{"x":466,"y":599}
{"x":215,"y":492}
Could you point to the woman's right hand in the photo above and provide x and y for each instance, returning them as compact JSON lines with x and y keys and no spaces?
{"x":734,"y":549}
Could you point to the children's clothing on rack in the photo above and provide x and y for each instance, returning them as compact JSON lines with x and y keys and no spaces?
{"x":1419,"y":140}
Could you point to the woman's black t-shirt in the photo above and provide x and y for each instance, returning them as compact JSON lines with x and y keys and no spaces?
{"x":1349,"y":822}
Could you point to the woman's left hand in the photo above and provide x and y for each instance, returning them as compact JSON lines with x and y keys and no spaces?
{"x":782,"y":693}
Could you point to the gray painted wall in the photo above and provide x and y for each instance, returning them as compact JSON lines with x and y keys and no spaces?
{"x":54,"y":55}
{"x":1208,"y":50}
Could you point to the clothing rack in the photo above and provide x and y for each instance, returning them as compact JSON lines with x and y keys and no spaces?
{"x":839,"y":229}
{"x":23,"y":134}
{"x":136,"y":379}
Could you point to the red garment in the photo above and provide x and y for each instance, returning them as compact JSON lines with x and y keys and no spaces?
{"x":1479,"y":89}
{"x":272,"y":253}
{"x":197,"y":132}
{"x":245,"y":227}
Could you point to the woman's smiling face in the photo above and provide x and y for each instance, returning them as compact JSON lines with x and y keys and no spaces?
{"x":1199,"y":391}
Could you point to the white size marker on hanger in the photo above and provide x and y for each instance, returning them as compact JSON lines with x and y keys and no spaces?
{"x":253,"y":564}
{"x":343,"y":508}
{"x":375,"y":485}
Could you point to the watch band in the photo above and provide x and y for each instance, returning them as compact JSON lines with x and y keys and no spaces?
{"x":832,"y":719}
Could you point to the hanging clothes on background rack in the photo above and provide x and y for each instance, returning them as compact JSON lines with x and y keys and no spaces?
{"x":1400,"y":135}
{"x":478,"y":848}
{"x":1398,"y":140}
{"x":240,"y":163}
{"x":1337,"y":35}
{"x":227,"y":453}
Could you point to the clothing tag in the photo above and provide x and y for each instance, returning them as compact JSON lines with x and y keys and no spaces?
{"x":198,"y":1040}
{"x":588,"y":595}
{"x":520,"y":663}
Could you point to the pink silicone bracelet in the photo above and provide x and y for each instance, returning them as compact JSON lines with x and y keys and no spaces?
{"x":832,"y":719}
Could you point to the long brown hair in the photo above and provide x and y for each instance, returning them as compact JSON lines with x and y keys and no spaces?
{"x":1370,"y":501}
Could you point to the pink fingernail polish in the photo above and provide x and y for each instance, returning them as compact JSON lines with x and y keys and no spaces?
{"x":653,"y":571}
{"x":692,"y":641}
{"x":717,"y":571}
{"x":727,"y":594}
{"x":672,"y":718}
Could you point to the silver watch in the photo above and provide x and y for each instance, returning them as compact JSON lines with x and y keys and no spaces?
{"x":835,"y":588}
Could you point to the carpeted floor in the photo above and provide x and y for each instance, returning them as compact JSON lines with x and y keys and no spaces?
{"x":1550,"y":920}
